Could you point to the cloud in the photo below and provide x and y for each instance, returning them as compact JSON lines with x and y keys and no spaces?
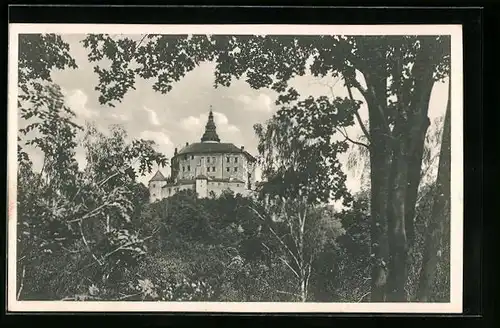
{"x":196,"y":124}
{"x":160,"y":137}
{"x":120,"y":116}
{"x":77,"y":101}
{"x":153,"y":116}
{"x":190,"y":123}
{"x":261,"y":103}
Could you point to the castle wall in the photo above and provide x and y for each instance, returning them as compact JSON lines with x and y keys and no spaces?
{"x":219,"y":187}
{"x":216,"y":165}
{"x":155,"y":190}
{"x":222,"y":166}
{"x":204,"y":188}
{"x":233,"y":166}
{"x":201,"y":188}
{"x":171,"y":190}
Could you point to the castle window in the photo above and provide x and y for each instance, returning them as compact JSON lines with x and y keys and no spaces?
{"x":213,"y":159}
{"x":213,"y":169}
{"x":236,"y":159}
{"x":227,"y":169}
{"x":192,"y":156}
{"x":227,"y":159}
{"x":208,"y":159}
{"x":185,"y":156}
{"x":237,"y":185}
{"x":189,"y":167}
{"x":183,"y":168}
{"x":235,"y":169}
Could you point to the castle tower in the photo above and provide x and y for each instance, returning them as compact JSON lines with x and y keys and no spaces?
{"x":210,"y":134}
{"x":208,"y":166}
{"x":155,"y":186}
{"x":201,"y":186}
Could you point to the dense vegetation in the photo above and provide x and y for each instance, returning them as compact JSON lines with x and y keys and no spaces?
{"x":90,"y":233}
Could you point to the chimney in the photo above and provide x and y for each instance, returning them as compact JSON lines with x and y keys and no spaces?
{"x":187,"y":143}
{"x":242,"y":148}
{"x":175,"y":151}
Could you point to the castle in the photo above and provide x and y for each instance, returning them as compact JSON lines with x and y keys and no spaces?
{"x":207,"y":167}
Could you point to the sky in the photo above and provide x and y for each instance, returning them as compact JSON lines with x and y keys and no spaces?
{"x":178,"y":117}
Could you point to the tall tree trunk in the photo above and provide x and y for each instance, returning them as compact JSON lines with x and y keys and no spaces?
{"x":303,"y":289}
{"x":415,"y":157}
{"x":380,"y":160}
{"x":441,"y":204}
{"x":398,"y":245}
{"x":409,"y":138}
{"x":396,"y":160}
{"x":422,"y":72}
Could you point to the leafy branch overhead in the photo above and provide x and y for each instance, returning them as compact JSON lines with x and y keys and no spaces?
{"x":264,"y":61}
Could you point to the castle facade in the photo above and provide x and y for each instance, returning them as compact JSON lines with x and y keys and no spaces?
{"x":208,"y":167}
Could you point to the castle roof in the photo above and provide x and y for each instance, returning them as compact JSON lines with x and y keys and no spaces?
{"x":210,"y":143}
{"x":210,"y":130}
{"x":201,"y":147}
{"x":158,"y":176}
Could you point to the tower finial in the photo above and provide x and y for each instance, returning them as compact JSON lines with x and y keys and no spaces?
{"x":210,"y":129}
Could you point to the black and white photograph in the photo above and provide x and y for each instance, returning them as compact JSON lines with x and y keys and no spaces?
{"x":235,"y":168}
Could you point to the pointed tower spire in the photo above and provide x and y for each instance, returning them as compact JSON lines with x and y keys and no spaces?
{"x":210,"y":129}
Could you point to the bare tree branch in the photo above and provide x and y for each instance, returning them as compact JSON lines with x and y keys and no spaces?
{"x":87,"y":245}
{"x":277,"y":237}
{"x":367,"y":95}
{"x":358,"y":117}
{"x":344,"y":134}
{"x":362,"y":297}
{"x":22,"y":283}
{"x":140,"y":42}
{"x":100,"y":184}
{"x":290,"y":267}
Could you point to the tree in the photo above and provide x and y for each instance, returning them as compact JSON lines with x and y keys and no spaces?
{"x":440,"y":216}
{"x":53,"y":218}
{"x":39,"y":55}
{"x":81,"y":218}
{"x":399,"y":73}
{"x":300,"y":233}
{"x":300,"y":171}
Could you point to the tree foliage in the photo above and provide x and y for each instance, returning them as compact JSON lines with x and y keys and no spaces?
{"x":298,"y":154}
{"x":398,"y":74}
{"x":64,"y":228}
{"x":88,"y":233}
{"x":84,"y":214}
